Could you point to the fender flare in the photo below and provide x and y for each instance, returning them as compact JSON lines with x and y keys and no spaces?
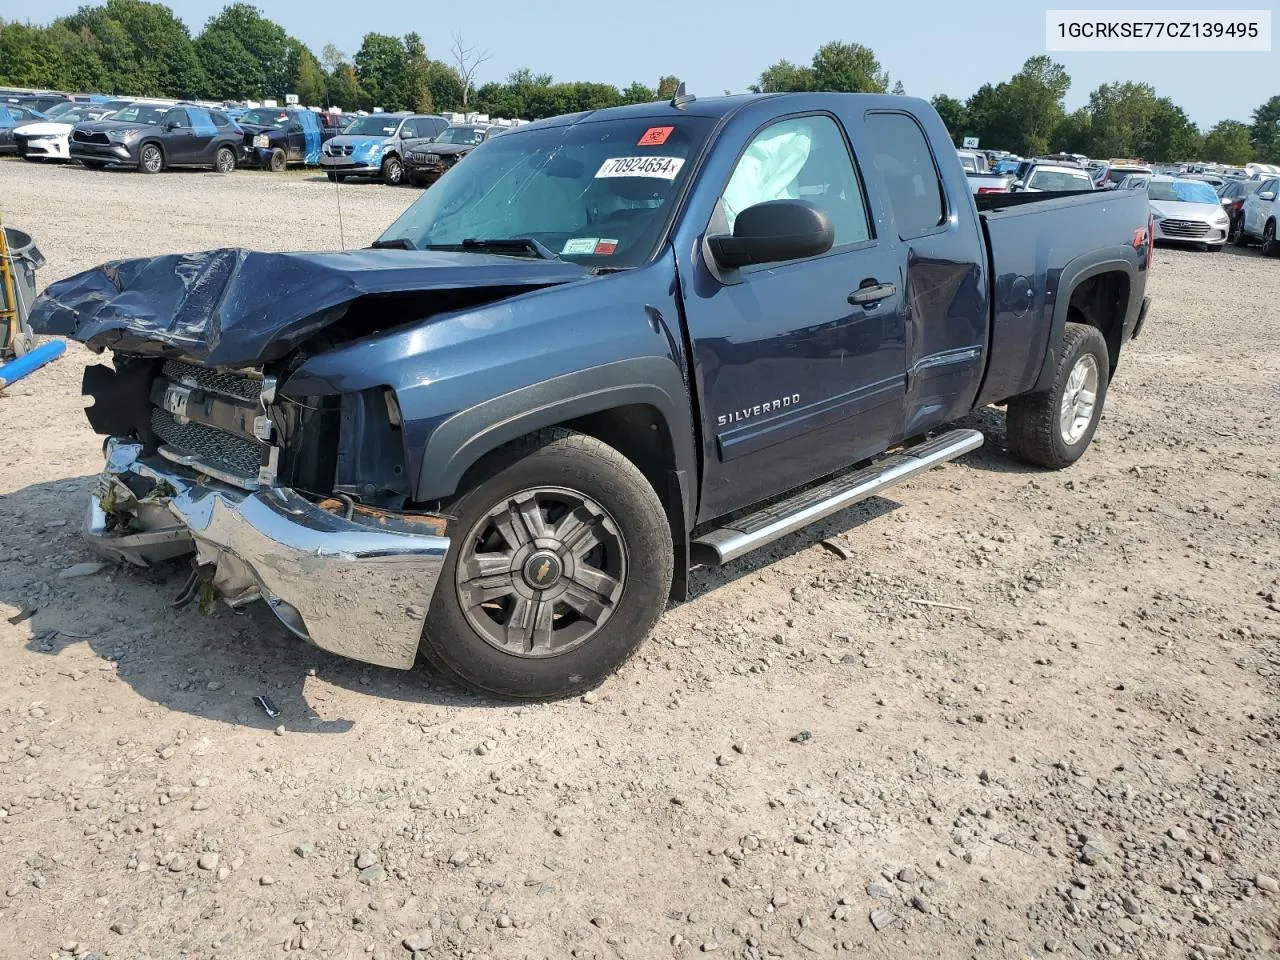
{"x":1106,"y":260}
{"x":462,"y":439}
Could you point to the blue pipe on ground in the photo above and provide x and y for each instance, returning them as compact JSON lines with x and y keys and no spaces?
{"x":31,"y":362}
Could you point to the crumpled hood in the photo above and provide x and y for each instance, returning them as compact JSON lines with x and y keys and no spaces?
{"x":448,"y":149}
{"x":44,"y":128}
{"x":235,"y":308}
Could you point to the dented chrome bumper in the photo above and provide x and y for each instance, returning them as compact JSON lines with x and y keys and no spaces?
{"x":358,"y":586}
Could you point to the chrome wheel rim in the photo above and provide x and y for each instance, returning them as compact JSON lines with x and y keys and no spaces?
{"x":394,"y":171}
{"x":151,"y":158}
{"x":1079,"y":399}
{"x":541,"y":572}
{"x":225,"y":161}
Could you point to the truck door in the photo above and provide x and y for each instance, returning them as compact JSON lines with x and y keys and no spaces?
{"x":945,"y":286}
{"x":800,"y":365}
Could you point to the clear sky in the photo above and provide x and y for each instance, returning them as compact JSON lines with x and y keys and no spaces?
{"x":932,"y":46}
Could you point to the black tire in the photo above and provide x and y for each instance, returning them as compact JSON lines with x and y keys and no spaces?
{"x":576,"y":464}
{"x":95,"y":164}
{"x":150,"y":158}
{"x":414,"y":181}
{"x":1269,"y":245}
{"x":1034,"y":420}
{"x":1235,"y":233}
{"x":224,"y":160}
{"x":392,"y":171}
{"x":278,"y":161}
{"x":336,"y":177}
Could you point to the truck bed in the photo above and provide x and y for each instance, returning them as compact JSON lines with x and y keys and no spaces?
{"x":1040,"y":243}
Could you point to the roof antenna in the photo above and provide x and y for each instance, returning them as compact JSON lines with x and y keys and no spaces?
{"x":681,"y":99}
{"x":337,"y":192}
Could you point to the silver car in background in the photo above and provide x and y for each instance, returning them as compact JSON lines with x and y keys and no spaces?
{"x":1188,"y":211}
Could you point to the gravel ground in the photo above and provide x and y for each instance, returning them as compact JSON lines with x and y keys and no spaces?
{"x":1034,"y":713}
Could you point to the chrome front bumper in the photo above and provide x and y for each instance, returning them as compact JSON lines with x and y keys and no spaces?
{"x":357,"y":589}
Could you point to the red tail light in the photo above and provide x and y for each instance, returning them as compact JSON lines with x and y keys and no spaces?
{"x":992,"y":190}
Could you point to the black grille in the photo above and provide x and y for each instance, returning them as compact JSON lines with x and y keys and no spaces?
{"x":81,"y":136}
{"x":1184,"y":228}
{"x":228,"y":384}
{"x":213,"y":448}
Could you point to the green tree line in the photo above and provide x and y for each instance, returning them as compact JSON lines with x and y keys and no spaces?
{"x":138,"y":48}
{"x":1025,"y":114}
{"x":135,"y":47}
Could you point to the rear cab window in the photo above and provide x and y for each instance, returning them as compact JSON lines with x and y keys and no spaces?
{"x":901,"y":154}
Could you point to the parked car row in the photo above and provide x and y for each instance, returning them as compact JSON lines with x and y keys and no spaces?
{"x":154,"y":135}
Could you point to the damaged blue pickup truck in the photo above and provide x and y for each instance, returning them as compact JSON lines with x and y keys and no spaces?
{"x":606,"y":348}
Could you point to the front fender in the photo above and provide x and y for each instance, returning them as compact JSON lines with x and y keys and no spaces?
{"x":460,"y":441}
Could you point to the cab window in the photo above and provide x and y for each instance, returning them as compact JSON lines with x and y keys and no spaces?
{"x":910,"y":176}
{"x":803,"y":158}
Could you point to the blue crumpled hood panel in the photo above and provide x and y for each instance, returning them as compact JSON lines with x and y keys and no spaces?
{"x":235,"y":308}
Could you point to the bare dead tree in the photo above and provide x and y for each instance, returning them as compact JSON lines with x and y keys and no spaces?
{"x":466,"y":61}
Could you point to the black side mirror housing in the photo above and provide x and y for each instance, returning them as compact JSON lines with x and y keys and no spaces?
{"x":773,"y":232}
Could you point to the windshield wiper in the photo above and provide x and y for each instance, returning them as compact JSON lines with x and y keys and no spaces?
{"x":511,"y":243}
{"x":395,"y":243}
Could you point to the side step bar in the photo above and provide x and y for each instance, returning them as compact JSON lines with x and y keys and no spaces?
{"x":745,"y":534}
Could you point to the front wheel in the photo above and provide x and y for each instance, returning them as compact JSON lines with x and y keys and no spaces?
{"x":224,"y":161}
{"x":1269,"y":246}
{"x":392,"y":171}
{"x":278,"y":161}
{"x":561,"y":565}
{"x":151,"y":159}
{"x":1053,"y":429}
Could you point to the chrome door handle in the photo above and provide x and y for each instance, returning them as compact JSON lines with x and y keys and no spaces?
{"x":872,"y":293}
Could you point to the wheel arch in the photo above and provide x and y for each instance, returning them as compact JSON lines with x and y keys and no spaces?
{"x":1100,"y":288}
{"x":640,"y":407}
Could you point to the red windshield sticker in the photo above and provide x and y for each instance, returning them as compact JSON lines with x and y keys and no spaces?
{"x":655,"y":137}
{"x":606,"y":247}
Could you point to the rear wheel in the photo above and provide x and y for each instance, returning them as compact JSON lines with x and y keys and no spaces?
{"x":392,"y":171}
{"x":1235,"y":232}
{"x":278,"y":161}
{"x":224,"y":161}
{"x":1053,"y":429}
{"x":1269,"y":246}
{"x":151,"y":159}
{"x":561,"y":565}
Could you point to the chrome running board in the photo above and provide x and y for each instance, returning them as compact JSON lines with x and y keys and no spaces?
{"x":745,"y":534}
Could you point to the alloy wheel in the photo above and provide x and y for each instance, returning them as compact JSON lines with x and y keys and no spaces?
{"x":541,"y":572}
{"x":1079,"y":399}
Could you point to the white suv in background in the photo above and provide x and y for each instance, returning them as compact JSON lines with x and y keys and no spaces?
{"x":1258,"y":217}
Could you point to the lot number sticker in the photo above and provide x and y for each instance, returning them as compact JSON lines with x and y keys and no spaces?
{"x":659,"y":168}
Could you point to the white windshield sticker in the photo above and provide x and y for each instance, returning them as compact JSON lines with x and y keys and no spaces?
{"x":580,"y":246}
{"x":661,"y":168}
